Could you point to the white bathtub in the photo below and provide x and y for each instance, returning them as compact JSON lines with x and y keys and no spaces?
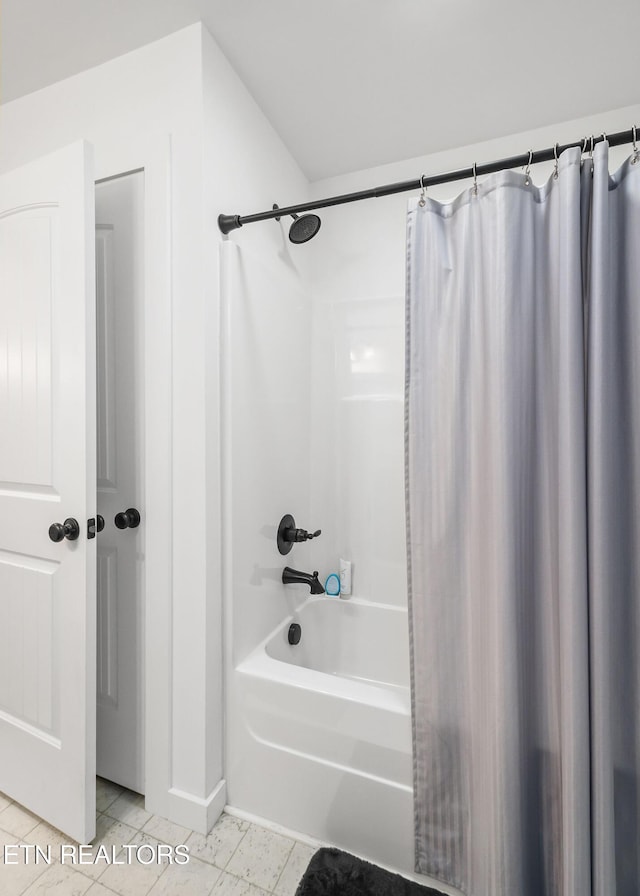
{"x":327,"y":729}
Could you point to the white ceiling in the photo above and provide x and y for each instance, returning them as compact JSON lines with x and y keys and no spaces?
{"x":350,"y":84}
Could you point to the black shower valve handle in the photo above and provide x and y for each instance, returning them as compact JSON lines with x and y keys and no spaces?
{"x":301,"y":534}
{"x":289,"y":534}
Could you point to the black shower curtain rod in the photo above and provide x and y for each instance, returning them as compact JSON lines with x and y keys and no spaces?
{"x":227,"y":223}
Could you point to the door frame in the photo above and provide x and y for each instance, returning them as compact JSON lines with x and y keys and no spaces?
{"x":157,"y":486}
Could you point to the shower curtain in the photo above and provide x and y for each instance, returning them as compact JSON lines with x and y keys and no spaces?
{"x":523,"y":532}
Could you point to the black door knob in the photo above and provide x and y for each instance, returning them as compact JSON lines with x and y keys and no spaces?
{"x":69,"y":529}
{"x":100,"y":520}
{"x":127,"y":519}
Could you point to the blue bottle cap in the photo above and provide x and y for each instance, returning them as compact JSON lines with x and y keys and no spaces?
{"x":332,"y":585}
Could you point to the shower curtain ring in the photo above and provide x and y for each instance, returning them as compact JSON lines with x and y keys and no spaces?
{"x":423,"y":194}
{"x":555,"y":156}
{"x":636,"y":153}
{"x":527,"y":173}
{"x":475,"y":180}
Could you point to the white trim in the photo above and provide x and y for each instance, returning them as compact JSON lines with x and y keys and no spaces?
{"x":193,"y":812}
{"x":157,"y":484}
{"x":158,"y":474}
{"x":225,"y":289}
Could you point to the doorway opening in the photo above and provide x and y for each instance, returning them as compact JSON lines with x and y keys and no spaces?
{"x":120,"y":713}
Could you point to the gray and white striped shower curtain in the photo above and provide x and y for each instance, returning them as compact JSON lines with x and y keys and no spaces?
{"x":523,"y":532}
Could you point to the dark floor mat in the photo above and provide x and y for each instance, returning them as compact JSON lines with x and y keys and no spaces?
{"x":332,"y":872}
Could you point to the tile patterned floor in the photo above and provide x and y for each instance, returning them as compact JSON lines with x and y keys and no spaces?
{"x":236,"y":859}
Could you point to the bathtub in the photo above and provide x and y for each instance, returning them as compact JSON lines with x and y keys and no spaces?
{"x":325,"y":745}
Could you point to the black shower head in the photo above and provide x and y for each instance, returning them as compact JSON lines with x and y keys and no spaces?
{"x":304,"y":228}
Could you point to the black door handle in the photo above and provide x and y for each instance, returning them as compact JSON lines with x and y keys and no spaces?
{"x":69,"y":530}
{"x":95,"y":525}
{"x":127,"y":519}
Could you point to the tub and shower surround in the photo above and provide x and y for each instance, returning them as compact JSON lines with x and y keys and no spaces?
{"x":356,"y":340}
{"x":325,"y":745}
{"x":318,"y":735}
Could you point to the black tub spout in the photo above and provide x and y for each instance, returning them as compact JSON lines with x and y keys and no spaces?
{"x":292,"y":576}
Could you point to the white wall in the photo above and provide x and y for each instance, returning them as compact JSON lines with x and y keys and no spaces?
{"x":144,"y":110}
{"x":358,"y":281}
{"x":177,"y":109}
{"x":265,"y":326}
{"x":266,"y":316}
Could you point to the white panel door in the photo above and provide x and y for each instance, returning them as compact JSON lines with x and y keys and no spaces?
{"x":48,"y":476}
{"x":119,"y":295}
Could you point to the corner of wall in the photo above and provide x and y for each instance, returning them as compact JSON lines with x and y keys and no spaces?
{"x":188,"y":810}
{"x":258,"y":405}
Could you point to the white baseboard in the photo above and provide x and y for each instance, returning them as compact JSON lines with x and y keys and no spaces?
{"x":191,"y":811}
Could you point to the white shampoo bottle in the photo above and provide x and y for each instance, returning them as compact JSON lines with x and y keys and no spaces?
{"x":345,"y":577}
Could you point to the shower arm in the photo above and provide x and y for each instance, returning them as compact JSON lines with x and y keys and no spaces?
{"x":227,"y":223}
